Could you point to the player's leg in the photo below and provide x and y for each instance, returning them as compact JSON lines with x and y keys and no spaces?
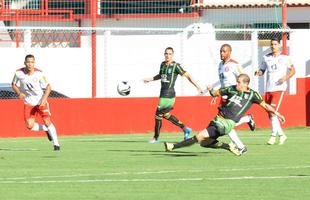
{"x":249,"y":119}
{"x":167,"y":106}
{"x":30,"y":113}
{"x":280,"y":132}
{"x":201,"y":136}
{"x":275,"y":99}
{"x":46,"y":116}
{"x":236,"y":141}
{"x":158,"y":124}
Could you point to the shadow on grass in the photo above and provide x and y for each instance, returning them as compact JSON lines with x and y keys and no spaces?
{"x":164,"y":153}
{"x":18,"y":149}
{"x":112,"y":141}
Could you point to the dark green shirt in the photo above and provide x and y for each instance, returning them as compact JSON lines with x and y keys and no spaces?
{"x":237,"y":102}
{"x":169,"y":74}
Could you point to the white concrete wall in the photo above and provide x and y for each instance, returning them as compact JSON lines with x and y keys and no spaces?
{"x":123,"y":57}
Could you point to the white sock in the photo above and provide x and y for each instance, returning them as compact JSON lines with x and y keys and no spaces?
{"x":244,"y":119}
{"x":278,"y":126}
{"x":235,"y":139}
{"x":53,"y":133}
{"x":39,"y":127}
{"x":274,"y":125}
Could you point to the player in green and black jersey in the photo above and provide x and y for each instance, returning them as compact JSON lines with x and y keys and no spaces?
{"x":168,"y":73}
{"x":240,"y":98}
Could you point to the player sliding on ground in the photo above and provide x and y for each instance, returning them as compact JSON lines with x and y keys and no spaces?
{"x":240,"y":98}
{"x":228,"y":70}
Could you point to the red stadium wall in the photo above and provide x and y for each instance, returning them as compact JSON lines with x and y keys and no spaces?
{"x":136,"y":115}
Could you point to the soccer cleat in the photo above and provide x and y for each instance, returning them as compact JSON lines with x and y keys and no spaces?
{"x":168,"y":146}
{"x":154,"y":141}
{"x":56,"y":148}
{"x":233,"y":149}
{"x":251,"y":123}
{"x":187,"y":132}
{"x":272,"y":140}
{"x":49,"y":137}
{"x":282,"y":139}
{"x":243,"y":150}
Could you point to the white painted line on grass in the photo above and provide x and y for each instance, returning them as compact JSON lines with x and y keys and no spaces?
{"x":101,"y":180}
{"x":155,"y":180}
{"x":4,"y":179}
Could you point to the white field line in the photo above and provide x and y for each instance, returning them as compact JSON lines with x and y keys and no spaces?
{"x":102,"y":180}
{"x":260,"y":177}
{"x":156,"y":180}
{"x":21,"y":179}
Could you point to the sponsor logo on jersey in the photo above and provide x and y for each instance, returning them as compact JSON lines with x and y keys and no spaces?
{"x":164,"y":78}
{"x":236,"y":100}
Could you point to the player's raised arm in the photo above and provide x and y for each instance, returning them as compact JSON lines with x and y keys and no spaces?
{"x":270,"y":109}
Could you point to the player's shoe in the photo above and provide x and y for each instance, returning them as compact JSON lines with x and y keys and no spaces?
{"x":272,"y":140}
{"x":243,"y":150}
{"x":56,"y":148}
{"x":168,"y":146}
{"x":187,"y":132}
{"x":233,"y":149}
{"x":251,"y":123}
{"x":282,"y":139}
{"x":49,"y":137}
{"x":154,"y":141}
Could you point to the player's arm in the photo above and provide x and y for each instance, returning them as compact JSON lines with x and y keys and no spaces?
{"x":291,"y":72}
{"x":190,"y":79}
{"x":261,"y":71}
{"x":270,"y":109}
{"x":239,"y":70}
{"x":156,"y":77}
{"x":213,"y":93}
{"x":16,"y":89}
{"x":47,"y":92}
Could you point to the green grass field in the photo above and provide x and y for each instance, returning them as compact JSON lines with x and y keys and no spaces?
{"x":127,"y":167}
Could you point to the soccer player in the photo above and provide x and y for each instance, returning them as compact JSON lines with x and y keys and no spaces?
{"x":228,"y":70}
{"x":279,"y":70}
{"x":28,"y":83}
{"x":240,"y":98}
{"x":168,"y":73}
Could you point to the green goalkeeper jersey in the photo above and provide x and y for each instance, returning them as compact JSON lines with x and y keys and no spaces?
{"x":237,"y":102}
{"x":169,"y":74}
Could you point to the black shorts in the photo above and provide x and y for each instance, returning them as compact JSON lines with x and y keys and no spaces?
{"x":213,"y":131}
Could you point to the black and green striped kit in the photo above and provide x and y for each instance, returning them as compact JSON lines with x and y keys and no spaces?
{"x":237,"y":102}
{"x":169,"y":74}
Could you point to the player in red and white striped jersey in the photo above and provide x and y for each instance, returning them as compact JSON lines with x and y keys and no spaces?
{"x":279,"y":69}
{"x":29,"y":84}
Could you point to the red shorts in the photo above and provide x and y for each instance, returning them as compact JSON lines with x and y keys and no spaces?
{"x":274,"y":99}
{"x":31,"y":112}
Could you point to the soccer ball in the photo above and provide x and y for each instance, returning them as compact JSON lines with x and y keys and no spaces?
{"x":123,"y":88}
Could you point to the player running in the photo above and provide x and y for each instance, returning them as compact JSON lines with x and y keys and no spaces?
{"x":168,"y":73}
{"x":239,"y":99}
{"x":28,"y":83}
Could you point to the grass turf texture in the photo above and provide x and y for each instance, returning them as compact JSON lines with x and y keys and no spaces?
{"x":127,"y":167}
